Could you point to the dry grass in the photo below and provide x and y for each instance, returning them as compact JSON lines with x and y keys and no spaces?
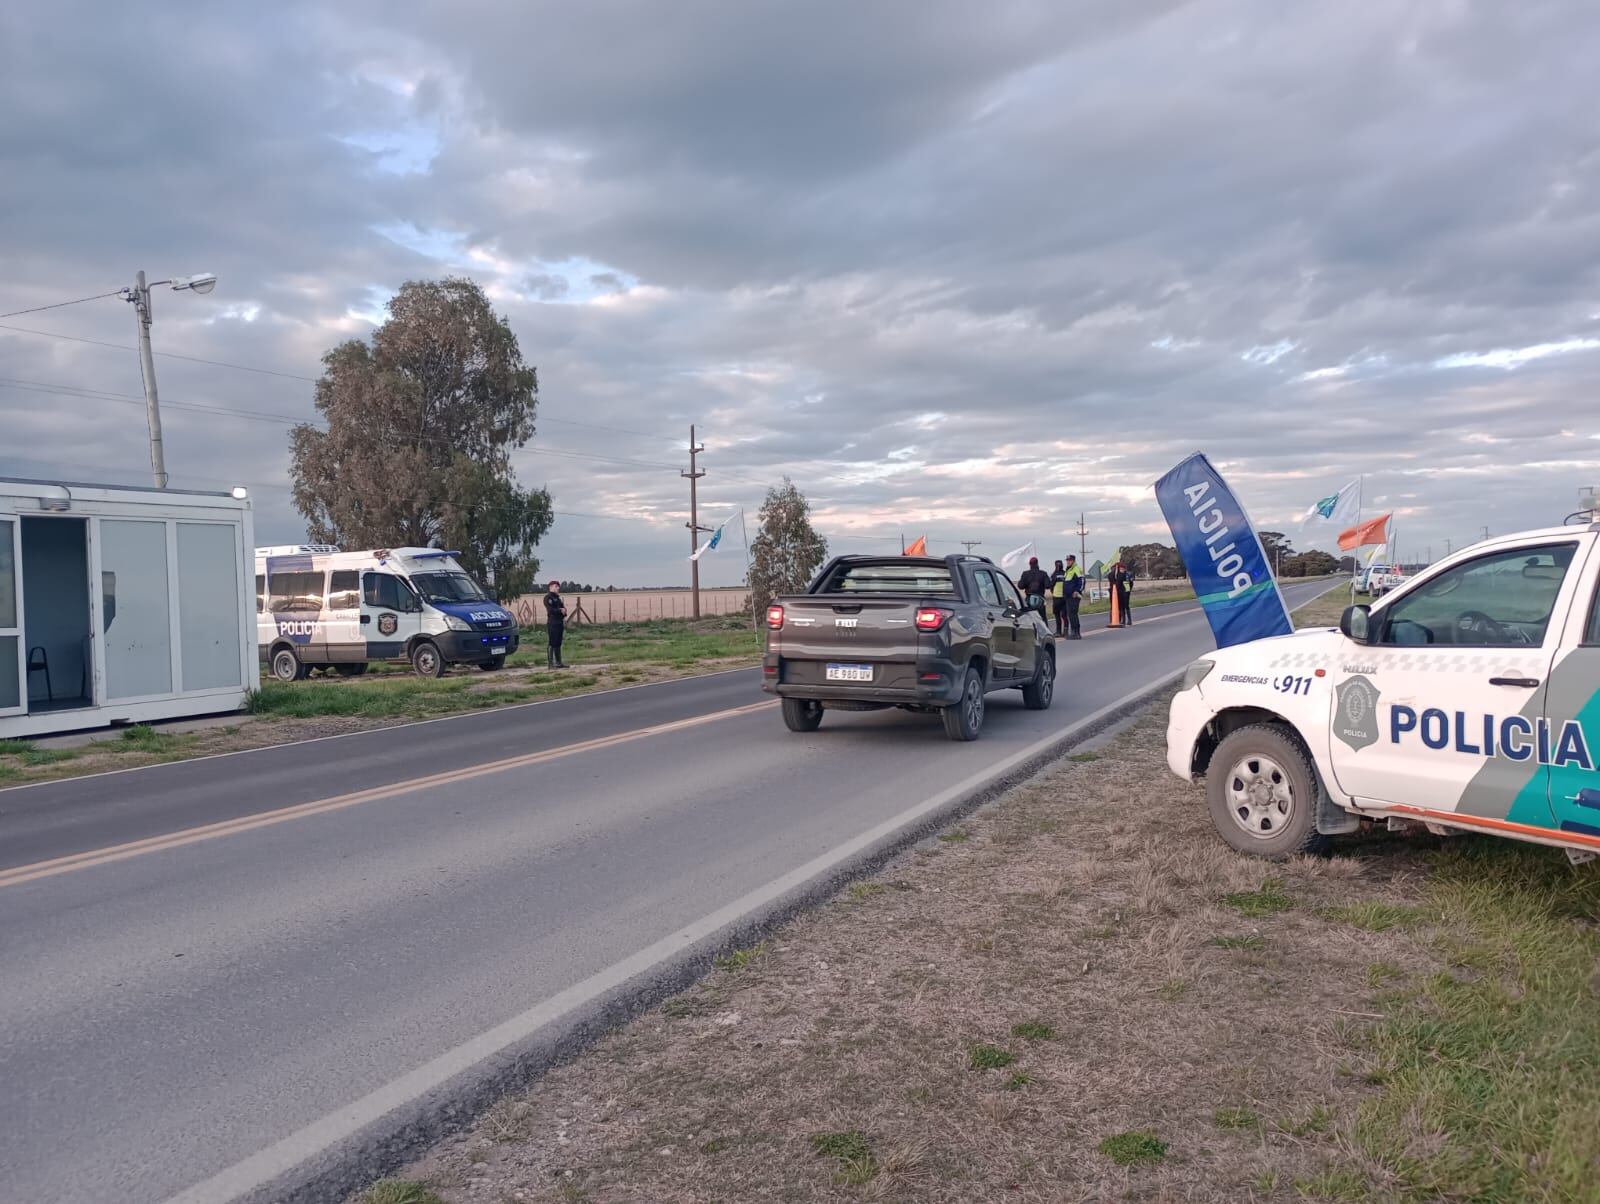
{"x":1068,"y":1004}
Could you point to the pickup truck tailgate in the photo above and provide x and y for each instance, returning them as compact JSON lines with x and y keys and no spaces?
{"x":840,"y":630}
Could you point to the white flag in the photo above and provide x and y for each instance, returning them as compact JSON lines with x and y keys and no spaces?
{"x":711,"y":544}
{"x":1336,"y":510}
{"x":1017,"y":558}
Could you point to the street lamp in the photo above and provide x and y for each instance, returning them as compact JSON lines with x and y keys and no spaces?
{"x":139,"y":296}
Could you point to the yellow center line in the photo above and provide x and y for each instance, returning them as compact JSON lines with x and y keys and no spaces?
{"x":245,"y":823}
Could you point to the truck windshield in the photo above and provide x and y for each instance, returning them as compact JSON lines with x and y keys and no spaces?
{"x":448,"y":587}
{"x":890,"y":577}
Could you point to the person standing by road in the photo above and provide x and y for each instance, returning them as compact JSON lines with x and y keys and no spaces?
{"x":1058,"y":598}
{"x":1120,"y":579}
{"x":1034,"y":584}
{"x":1073,"y":582}
{"x":555,"y":623}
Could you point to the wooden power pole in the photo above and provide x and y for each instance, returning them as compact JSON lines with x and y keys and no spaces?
{"x":694,"y":474}
{"x":1083,"y":546}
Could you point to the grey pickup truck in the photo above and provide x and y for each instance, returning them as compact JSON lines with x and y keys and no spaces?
{"x":917,"y":632}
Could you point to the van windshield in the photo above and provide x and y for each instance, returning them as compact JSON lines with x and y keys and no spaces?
{"x":448,"y":587}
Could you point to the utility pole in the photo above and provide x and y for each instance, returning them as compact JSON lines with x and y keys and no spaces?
{"x":1486,"y":532}
{"x":694,"y":474}
{"x":140,"y":296}
{"x":1447,"y":547}
{"x":1083,"y":546}
{"x":969,"y":544}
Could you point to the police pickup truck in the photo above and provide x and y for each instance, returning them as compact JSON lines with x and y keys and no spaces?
{"x":916,"y":632}
{"x":1466,"y":700}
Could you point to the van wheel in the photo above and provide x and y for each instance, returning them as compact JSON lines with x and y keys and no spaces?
{"x":352,"y":670}
{"x":286,"y":665}
{"x":427,"y":662}
{"x":1262,"y":790}
{"x":801,"y":714}
{"x":964,"y":720}
{"x":1036,"y":695}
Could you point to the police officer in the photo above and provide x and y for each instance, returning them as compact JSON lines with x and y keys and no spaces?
{"x":555,"y":623}
{"x":1034,"y":584}
{"x":1058,"y":598}
{"x":1073,"y":583}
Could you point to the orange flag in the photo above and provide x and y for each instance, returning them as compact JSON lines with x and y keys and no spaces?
{"x":919,"y":547}
{"x":1374,"y":530}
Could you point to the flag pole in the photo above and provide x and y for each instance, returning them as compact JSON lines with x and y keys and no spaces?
{"x":744,"y":532}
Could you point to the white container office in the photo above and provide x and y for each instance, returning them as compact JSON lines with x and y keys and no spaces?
{"x":121,"y":604}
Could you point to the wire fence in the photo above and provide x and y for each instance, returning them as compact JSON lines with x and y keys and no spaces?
{"x":634,"y":606}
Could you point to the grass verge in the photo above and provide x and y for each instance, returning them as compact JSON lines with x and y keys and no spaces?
{"x":601,"y":657}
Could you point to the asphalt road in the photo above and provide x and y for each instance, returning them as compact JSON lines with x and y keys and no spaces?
{"x":172,"y":1009}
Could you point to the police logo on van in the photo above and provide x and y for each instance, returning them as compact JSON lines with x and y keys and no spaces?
{"x":1355,"y":715}
{"x":388,"y":624}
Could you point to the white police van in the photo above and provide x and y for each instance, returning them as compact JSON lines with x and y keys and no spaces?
{"x":1466,"y":700}
{"x":318,"y":607}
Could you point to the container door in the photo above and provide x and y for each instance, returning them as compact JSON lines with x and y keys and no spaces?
{"x":13,"y":689}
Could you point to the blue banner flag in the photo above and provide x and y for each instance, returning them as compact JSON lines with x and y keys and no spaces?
{"x":1222,"y":554}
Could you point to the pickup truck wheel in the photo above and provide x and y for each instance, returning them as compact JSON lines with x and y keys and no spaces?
{"x":1036,"y":695}
{"x":802,"y":715}
{"x":1262,"y":792}
{"x":964,"y":720}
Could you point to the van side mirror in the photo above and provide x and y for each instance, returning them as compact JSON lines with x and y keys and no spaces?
{"x":1356,"y":624}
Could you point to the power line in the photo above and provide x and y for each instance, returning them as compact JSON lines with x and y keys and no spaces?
{"x":60,"y":304}
{"x":171,"y":355}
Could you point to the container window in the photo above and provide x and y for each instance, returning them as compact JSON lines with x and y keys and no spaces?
{"x":210,"y":608}
{"x":137,"y":619}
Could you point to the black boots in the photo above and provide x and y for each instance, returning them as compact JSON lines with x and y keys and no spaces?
{"x":553,"y":659}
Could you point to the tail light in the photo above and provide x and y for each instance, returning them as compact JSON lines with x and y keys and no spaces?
{"x":774,"y":617}
{"x":932,"y":618}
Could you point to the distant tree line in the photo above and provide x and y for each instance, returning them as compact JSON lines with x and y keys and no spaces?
{"x":1161,"y":562}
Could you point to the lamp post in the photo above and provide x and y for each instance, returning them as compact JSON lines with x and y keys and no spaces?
{"x":139,"y":296}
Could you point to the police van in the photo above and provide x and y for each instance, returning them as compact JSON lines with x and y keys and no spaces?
{"x":318,"y":607}
{"x":1468,"y":699}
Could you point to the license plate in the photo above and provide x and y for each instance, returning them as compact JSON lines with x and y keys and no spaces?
{"x":849,"y":673}
{"x":500,"y":651}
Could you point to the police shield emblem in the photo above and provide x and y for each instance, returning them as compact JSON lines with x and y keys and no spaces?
{"x":388,"y":624}
{"x":1355,"y":715}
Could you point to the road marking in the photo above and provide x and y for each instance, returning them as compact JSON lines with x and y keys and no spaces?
{"x":392,"y":727}
{"x":245,"y":823}
{"x":267,"y":1167}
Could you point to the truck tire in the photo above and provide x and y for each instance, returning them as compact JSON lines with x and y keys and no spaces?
{"x":802,"y":715}
{"x":1262,"y":791}
{"x":426,"y":659}
{"x":964,"y":720}
{"x":1036,"y":695}
{"x":287,"y":665}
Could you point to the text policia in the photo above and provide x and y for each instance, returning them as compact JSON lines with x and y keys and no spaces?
{"x":1229,"y":562}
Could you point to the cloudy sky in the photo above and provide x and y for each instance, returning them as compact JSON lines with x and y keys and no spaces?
{"x":958,"y":269}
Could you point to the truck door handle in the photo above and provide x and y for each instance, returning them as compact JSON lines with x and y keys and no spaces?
{"x":1526,"y":683}
{"x":366,"y":618}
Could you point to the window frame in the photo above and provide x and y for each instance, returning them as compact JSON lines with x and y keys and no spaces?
{"x":982,"y":575}
{"x":273,"y":595}
{"x":334,"y":590}
{"x":1386,"y":619}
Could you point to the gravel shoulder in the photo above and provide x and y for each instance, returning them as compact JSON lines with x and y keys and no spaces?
{"x":1078,"y":994}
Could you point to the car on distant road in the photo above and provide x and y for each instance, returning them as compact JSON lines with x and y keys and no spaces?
{"x":923,"y":633}
{"x":1467,"y":700}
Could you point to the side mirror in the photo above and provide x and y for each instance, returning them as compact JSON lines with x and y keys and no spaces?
{"x":1356,"y":624}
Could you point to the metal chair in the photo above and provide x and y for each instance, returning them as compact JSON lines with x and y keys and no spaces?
{"x":41,"y":665}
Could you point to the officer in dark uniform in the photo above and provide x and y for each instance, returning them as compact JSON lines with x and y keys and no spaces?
{"x":1034,"y":585}
{"x":1074,"y":599}
{"x":555,"y":623}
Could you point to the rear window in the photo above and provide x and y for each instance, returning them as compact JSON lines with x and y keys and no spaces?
{"x":890,"y":577}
